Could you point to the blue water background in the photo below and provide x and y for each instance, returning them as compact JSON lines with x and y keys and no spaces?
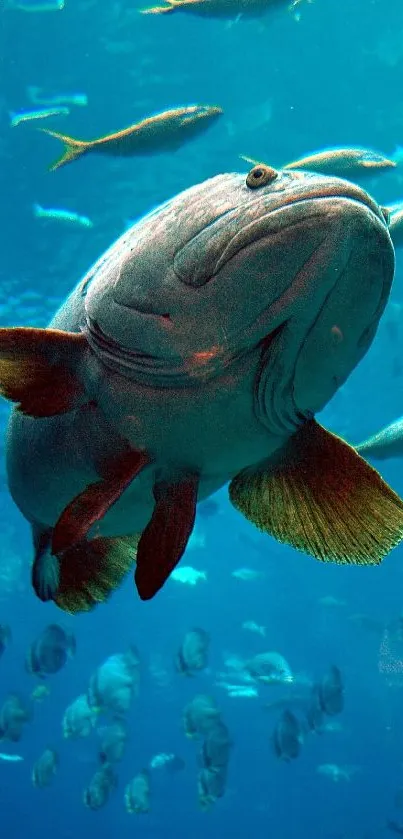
{"x":287,"y":88}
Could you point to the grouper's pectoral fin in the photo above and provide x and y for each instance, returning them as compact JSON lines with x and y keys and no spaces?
{"x":323,"y":499}
{"x":85,"y":574}
{"x":164,"y":540}
{"x":38,"y":370}
{"x":91,"y":505}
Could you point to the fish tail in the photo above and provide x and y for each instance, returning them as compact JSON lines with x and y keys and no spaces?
{"x":158,"y":10}
{"x":72,"y":148}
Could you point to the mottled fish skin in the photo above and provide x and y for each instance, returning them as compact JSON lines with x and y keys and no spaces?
{"x":167,"y":328}
{"x":385,"y":444}
{"x":205,"y":337}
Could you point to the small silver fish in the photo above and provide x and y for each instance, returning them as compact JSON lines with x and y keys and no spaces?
{"x":30,"y":116}
{"x":37,"y":98}
{"x":20,"y":6}
{"x":61,"y":215}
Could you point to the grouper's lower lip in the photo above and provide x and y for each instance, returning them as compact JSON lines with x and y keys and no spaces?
{"x":309,"y":196}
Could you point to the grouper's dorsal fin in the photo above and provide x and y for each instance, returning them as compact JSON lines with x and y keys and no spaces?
{"x":164,"y":540}
{"x":323,"y":499}
{"x":38,"y":370}
{"x":96,"y":499}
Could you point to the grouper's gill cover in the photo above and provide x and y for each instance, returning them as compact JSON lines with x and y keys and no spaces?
{"x":196,"y":352}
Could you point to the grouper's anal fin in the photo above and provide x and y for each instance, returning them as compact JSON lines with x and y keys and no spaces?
{"x":96,"y":499}
{"x":91,"y":570}
{"x":323,"y":499}
{"x":164,"y":540}
{"x":85,"y":574}
{"x":38,"y":370}
{"x":77,"y":572}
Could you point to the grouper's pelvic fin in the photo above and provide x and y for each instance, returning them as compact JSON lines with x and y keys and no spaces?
{"x":38,"y":370}
{"x":322,"y":499}
{"x":86,"y":572}
{"x":164,"y":540}
{"x":77,"y":572}
{"x":96,"y":499}
{"x":72,"y":148}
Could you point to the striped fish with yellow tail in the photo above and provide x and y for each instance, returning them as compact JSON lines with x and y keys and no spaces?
{"x":164,"y":132}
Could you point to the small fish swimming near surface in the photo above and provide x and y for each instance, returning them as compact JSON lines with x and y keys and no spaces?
{"x":164,"y":132}
{"x":340,"y":162}
{"x":222,"y":8}
{"x":102,"y":454}
{"x":62,"y":215}
{"x":38,"y":98}
{"x":31,"y":116}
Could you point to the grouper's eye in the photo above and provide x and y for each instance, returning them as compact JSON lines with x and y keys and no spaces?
{"x":260,"y":176}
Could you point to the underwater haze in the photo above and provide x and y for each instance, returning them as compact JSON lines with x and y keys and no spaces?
{"x":291,"y":81}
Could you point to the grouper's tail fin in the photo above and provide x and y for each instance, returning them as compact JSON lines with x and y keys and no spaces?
{"x":72,"y":148}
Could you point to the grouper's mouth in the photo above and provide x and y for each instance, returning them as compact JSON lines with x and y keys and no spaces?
{"x":308,"y":193}
{"x":150,"y":362}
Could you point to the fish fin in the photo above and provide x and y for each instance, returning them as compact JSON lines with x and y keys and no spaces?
{"x":158,"y":10}
{"x":250,"y":160}
{"x":38,"y":370}
{"x":91,"y":570}
{"x":72,"y":148}
{"x":91,"y":505}
{"x":374,"y":164}
{"x":324,"y":500}
{"x":45,"y":568}
{"x":164,"y":540}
